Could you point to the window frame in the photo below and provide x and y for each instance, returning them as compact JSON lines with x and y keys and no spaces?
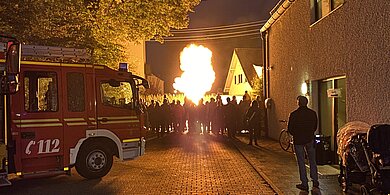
{"x":68,"y":92}
{"x":131,"y":104}
{"x":317,"y":9}
{"x":28,"y":74}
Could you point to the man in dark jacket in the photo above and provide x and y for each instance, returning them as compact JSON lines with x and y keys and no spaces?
{"x":302,"y":124}
{"x":253,"y":116}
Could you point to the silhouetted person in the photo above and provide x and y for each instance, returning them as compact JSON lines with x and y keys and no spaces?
{"x":179,"y":114}
{"x":201,"y":115}
{"x":219,"y":125}
{"x":247,"y":96}
{"x":302,"y":124}
{"x":243,"y":107}
{"x":165,"y":116}
{"x":253,"y":116}
{"x":211,"y":114}
{"x":192,"y":117}
{"x":230,"y":117}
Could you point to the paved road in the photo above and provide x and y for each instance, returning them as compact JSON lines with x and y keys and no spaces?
{"x":175,"y":164}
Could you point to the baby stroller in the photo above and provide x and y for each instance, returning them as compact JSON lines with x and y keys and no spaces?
{"x":354,"y":167}
{"x":365,"y":158}
{"x":378,"y":157}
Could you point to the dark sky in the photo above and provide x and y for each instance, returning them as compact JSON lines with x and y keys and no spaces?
{"x":164,"y":58}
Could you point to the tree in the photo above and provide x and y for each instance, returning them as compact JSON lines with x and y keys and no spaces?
{"x":100,"y":26}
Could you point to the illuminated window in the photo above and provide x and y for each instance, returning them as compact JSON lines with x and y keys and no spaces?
{"x":117,"y":94}
{"x":40,"y":91}
{"x":320,"y":8}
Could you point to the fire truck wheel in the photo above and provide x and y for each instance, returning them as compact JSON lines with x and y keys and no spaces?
{"x":94,"y":161}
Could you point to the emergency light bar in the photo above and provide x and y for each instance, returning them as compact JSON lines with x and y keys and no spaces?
{"x":124,"y":67}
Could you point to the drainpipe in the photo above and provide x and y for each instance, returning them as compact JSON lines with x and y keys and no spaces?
{"x":264,"y":38}
{"x":281,"y":7}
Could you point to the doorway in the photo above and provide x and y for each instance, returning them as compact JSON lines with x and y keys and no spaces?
{"x":332,"y":110}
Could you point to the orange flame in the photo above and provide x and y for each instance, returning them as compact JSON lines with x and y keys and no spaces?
{"x":198,"y":74}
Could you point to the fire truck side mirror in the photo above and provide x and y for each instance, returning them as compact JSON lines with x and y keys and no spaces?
{"x":9,"y":84}
{"x":13,"y":58}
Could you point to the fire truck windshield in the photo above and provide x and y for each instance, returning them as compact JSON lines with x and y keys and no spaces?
{"x":117,"y":95}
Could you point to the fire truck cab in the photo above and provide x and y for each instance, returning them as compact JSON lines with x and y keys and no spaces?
{"x":68,"y":114}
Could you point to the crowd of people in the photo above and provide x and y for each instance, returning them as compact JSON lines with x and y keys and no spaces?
{"x":207,"y":116}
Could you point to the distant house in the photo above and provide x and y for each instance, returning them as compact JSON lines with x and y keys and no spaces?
{"x":336,"y":53}
{"x":245,"y":72}
{"x":156,"y":84}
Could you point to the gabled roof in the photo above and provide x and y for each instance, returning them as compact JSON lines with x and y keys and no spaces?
{"x":249,"y":57}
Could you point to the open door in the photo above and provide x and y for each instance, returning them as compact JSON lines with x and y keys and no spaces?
{"x":332,"y":110}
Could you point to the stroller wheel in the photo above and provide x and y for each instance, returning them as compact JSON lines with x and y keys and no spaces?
{"x":345,"y":187}
{"x":340,"y":179}
{"x":364,"y":190}
{"x":343,"y":183}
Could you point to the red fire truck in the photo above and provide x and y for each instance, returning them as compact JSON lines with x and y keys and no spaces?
{"x":68,"y":114}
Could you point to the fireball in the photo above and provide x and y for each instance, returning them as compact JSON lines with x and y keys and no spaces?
{"x":198,"y":75}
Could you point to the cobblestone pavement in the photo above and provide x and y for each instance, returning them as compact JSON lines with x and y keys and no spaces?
{"x":175,"y":164}
{"x":280,"y":168}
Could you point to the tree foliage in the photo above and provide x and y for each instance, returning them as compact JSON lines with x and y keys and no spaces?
{"x":101,"y":26}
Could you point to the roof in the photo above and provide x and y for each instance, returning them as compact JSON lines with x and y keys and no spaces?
{"x":276,"y":12}
{"x":249,"y":57}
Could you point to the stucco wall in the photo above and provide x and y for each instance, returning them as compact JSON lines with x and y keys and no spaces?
{"x":353,"y":40}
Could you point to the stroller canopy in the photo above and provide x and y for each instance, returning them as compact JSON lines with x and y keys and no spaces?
{"x":345,"y":134}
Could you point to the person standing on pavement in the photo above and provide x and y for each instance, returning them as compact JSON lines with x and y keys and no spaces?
{"x":219,"y":124}
{"x":302,"y":124}
{"x":253,"y":116}
{"x":243,"y":108}
{"x":247,"y":96}
{"x":230,"y":117}
{"x":165,"y":117}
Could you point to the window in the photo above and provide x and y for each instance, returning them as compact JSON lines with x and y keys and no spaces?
{"x":117,"y":94}
{"x":75,"y":92}
{"x":235,"y":79}
{"x":336,"y":3}
{"x":240,"y":78}
{"x":320,"y":8}
{"x":41,"y":94}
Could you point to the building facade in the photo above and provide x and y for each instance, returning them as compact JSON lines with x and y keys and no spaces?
{"x":337,"y":53}
{"x":135,"y":56}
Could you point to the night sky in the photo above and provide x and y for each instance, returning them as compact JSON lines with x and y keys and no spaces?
{"x":164,"y":58}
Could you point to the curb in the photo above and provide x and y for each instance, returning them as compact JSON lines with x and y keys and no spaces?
{"x":259,"y":171}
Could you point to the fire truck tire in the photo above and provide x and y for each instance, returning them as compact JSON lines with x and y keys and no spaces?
{"x":94,"y":160}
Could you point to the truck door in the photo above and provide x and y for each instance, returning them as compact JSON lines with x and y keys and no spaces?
{"x":78,"y":110}
{"x":114,"y":109}
{"x":37,"y":120}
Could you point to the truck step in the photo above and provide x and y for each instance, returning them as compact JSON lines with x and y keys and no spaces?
{"x":43,"y":174}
